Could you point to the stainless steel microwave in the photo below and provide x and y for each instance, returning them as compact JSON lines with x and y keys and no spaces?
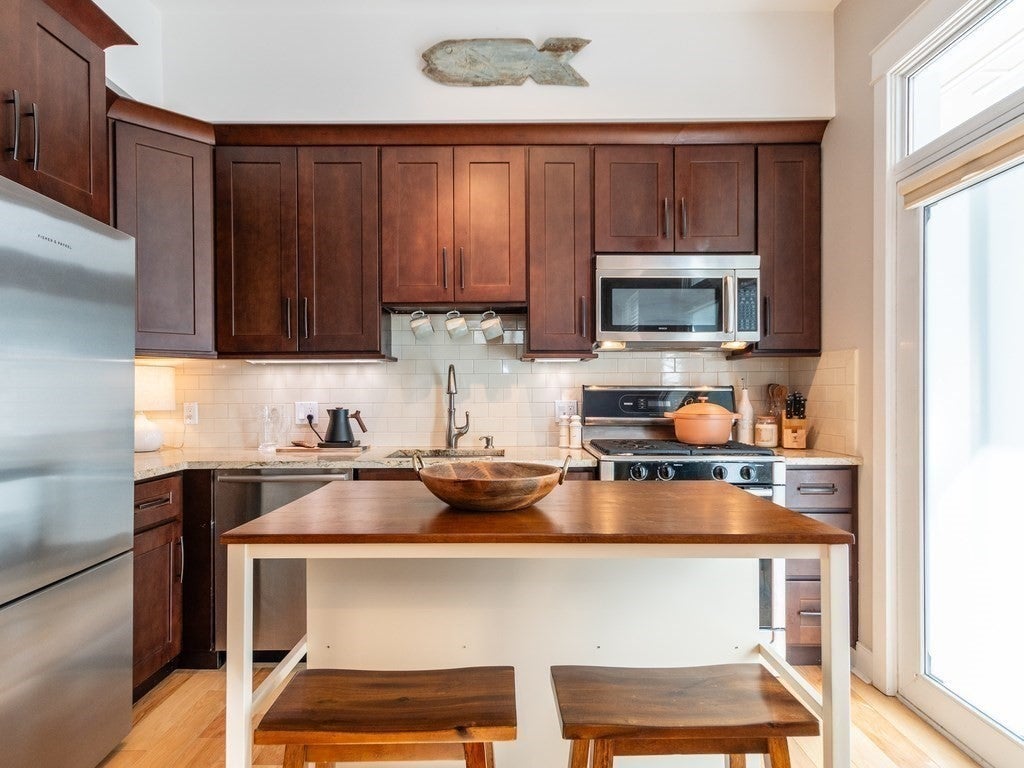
{"x":678,"y":301}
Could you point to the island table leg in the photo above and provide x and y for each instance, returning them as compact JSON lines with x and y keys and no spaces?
{"x":239,"y":706}
{"x":835,"y":655}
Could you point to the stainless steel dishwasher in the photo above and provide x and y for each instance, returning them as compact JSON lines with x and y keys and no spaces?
{"x":279,"y":602}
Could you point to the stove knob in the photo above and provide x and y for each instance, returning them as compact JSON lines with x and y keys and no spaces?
{"x":666,"y":471}
{"x":747,"y":472}
{"x":637,"y":472}
{"x":719,"y":472}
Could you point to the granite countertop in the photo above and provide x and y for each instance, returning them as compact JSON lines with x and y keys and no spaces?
{"x":170,"y":460}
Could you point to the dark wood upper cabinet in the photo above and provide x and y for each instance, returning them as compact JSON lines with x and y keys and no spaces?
{"x":453,"y":225}
{"x":256,"y":250}
{"x":339,"y":293}
{"x":789,"y":242}
{"x":297,"y":251}
{"x":417,"y":224}
{"x":490,"y":224}
{"x":163,"y":197}
{"x":560,"y":303}
{"x":714,"y":208}
{"x":633,"y":199}
{"x":54,"y":74}
{"x":690,"y":199}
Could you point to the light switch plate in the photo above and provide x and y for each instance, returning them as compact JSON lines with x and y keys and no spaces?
{"x":304,"y":408}
{"x":565,"y":408}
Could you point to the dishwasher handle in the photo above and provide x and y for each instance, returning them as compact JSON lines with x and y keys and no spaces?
{"x":283,"y":478}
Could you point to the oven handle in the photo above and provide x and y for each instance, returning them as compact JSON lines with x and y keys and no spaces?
{"x":765,"y":492}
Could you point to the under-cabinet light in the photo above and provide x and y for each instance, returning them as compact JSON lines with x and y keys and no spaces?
{"x":347,"y":361}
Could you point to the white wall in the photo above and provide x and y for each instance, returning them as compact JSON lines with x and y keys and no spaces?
{"x":847,"y":233}
{"x":137,"y":70}
{"x":339,"y":63}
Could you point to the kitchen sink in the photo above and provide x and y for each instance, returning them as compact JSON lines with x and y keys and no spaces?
{"x":446,"y":453}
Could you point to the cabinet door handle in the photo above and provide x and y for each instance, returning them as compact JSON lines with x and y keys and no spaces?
{"x":682,"y":215}
{"x":668,"y":219}
{"x":818,"y":489}
{"x":305,"y":317}
{"x":444,"y":266}
{"x":583,"y":316}
{"x":34,"y":114}
{"x":462,"y":268}
{"x":810,"y":613}
{"x":160,"y":501}
{"x":767,"y":315}
{"x":16,"y":101}
{"x":181,"y":561}
{"x":288,"y":315}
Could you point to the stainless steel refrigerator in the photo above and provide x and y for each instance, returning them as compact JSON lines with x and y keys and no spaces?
{"x":67,"y":291}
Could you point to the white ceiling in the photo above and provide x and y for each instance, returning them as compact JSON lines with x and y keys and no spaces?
{"x":648,"y":6}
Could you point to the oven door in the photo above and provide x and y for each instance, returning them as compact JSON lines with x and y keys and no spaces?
{"x":772,"y":573}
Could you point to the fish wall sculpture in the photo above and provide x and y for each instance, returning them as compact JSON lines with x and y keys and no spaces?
{"x":504,"y":61}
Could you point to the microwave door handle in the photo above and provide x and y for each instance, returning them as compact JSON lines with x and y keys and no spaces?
{"x":730,"y":305}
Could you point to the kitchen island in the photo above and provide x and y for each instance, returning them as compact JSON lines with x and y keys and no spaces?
{"x":617,"y":524}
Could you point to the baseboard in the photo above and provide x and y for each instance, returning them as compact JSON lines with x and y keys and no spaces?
{"x":862,"y":662}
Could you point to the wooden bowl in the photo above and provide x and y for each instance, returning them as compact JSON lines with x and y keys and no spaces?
{"x":490,"y":486}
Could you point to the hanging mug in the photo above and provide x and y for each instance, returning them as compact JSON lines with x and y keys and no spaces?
{"x":490,"y":325}
{"x":420,"y":325}
{"x":456,"y":324}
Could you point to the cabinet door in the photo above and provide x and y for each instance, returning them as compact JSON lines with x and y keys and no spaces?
{"x":633,"y":199}
{"x":560,"y":303}
{"x":490,"y":224}
{"x":256,"y":251}
{"x":416,"y":225}
{"x":714,"y":206}
{"x":339,"y":292}
{"x":63,"y":75}
{"x":789,"y":242}
{"x":164,"y":198}
{"x":10,"y":81}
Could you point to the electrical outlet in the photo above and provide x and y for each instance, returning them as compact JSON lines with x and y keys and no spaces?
{"x":191,"y":413}
{"x":304,"y":409}
{"x":565,"y":408}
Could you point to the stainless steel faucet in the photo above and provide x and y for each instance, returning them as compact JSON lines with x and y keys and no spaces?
{"x":453,"y":433}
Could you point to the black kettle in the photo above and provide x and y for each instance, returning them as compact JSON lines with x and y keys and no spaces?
{"x":339,"y":433}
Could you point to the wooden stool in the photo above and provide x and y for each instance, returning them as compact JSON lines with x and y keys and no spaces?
{"x":728,"y":709}
{"x":344,"y":715}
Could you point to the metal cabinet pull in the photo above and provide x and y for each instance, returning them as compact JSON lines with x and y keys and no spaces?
{"x":16,"y":101}
{"x":810,"y":613}
{"x":462,"y":268}
{"x":305,"y":317}
{"x":583,"y":316}
{"x":767,"y":315}
{"x":682,"y":216}
{"x":668,"y":217}
{"x":181,"y":567}
{"x":444,"y":266}
{"x":818,"y":489}
{"x":288,"y":315}
{"x":34,"y":114}
{"x":161,"y":501}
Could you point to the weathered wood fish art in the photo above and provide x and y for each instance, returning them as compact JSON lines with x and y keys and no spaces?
{"x":504,"y":61}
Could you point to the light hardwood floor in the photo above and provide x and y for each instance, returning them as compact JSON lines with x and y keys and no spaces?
{"x":180,"y":724}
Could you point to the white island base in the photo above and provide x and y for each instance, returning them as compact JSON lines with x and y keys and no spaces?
{"x":532,"y":614}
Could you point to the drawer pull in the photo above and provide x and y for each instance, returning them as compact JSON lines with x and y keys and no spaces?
{"x":161,"y":501}
{"x":810,"y":613}
{"x":818,"y":489}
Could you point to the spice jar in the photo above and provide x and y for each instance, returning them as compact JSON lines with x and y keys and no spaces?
{"x":766,"y":432}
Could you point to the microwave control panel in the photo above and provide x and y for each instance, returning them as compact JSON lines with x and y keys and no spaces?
{"x":746,"y":305}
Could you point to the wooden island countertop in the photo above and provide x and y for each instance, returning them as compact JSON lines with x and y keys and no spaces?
{"x":383,"y":512}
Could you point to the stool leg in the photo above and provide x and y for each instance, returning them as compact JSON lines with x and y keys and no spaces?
{"x":489,"y":754}
{"x":601,"y":757}
{"x":737,"y":761}
{"x":778,"y":753}
{"x":294,"y":756}
{"x":579,"y":751}
{"x":476,"y":755}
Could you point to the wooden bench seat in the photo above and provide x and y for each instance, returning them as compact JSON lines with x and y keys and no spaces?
{"x":344,"y":715}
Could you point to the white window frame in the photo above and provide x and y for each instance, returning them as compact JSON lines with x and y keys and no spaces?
{"x":898,"y":640}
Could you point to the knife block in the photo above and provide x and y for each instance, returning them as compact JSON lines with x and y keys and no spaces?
{"x":794,"y":433}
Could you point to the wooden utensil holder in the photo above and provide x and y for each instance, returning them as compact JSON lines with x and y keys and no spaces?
{"x":794,"y":433}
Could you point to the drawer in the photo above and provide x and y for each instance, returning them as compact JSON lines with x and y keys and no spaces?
{"x":157,"y":501}
{"x":803,"y":612}
{"x":811,"y":568}
{"x":813,"y":488}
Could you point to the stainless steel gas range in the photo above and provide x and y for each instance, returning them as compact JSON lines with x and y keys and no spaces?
{"x":626,"y":430}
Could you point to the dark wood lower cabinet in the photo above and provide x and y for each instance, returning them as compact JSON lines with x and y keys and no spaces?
{"x":401,"y":473}
{"x":158,"y":552}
